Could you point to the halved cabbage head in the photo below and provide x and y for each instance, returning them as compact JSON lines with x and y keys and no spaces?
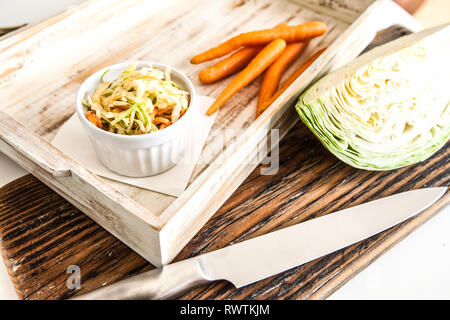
{"x":388,"y":108}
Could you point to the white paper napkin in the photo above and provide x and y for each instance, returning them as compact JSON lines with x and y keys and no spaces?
{"x":74,"y":141}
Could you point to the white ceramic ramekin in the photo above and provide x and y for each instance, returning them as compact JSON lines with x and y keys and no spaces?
{"x":138,"y":155}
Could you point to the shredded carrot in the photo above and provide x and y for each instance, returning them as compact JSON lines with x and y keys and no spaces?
{"x":160,"y":120}
{"x":164,"y":125}
{"x":160,"y":112}
{"x":92,"y":117}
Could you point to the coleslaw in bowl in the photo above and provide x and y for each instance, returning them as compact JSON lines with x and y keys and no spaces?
{"x":139,"y":101}
{"x":126,"y":99}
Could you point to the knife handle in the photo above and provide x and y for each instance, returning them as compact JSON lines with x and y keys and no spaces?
{"x":168,"y":282}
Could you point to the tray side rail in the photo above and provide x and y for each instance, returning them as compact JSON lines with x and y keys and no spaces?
{"x":119,"y":214}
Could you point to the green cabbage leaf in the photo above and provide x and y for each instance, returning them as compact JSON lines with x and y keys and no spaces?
{"x":388,"y":108}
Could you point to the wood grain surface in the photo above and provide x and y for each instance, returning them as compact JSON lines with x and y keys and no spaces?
{"x":42,"y":234}
{"x":67,"y":55}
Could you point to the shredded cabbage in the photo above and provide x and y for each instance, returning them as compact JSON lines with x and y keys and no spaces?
{"x":138,"y":102}
{"x":388,"y":108}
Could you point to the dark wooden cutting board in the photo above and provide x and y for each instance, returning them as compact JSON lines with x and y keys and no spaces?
{"x":42,"y":234}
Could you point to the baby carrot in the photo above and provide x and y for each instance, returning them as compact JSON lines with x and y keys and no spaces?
{"x":257,"y":66}
{"x":274,"y":73}
{"x":231,"y":64}
{"x":256,"y":38}
{"x":297,"y":73}
{"x":160,"y":120}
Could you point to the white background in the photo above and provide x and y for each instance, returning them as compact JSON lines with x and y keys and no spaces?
{"x":417,"y":268}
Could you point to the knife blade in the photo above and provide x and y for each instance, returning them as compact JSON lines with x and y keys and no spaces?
{"x":267,"y":255}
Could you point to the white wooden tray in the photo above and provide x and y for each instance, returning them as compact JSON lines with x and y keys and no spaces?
{"x":42,"y":67}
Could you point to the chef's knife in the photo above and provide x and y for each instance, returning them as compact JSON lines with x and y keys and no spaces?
{"x":264,"y":256}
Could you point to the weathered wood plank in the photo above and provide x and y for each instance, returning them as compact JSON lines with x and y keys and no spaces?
{"x":42,"y":234}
